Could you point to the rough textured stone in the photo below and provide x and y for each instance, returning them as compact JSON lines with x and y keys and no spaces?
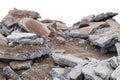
{"x":60,"y":40}
{"x":118,"y":48}
{"x":10,"y":73}
{"x":114,"y":62}
{"x":34,"y":26}
{"x":66,"y":59}
{"x":61,"y":26}
{"x":103,"y":17}
{"x":17,"y":65}
{"x":24,"y":54}
{"x":37,"y":41}
{"x":15,"y":15}
{"x":16,"y":37}
{"x":59,"y":73}
{"x":104,"y":70}
{"x":76,"y":72}
{"x":116,"y":74}
{"x":88,"y":71}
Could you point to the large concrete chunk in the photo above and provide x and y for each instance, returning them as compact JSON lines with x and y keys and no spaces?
{"x":76,"y":72}
{"x":66,"y":59}
{"x":16,"y":37}
{"x":10,"y":73}
{"x":104,"y":70}
{"x":88,"y":71}
{"x":17,"y":65}
{"x":103,"y":17}
{"x":15,"y":15}
{"x":34,"y":26}
{"x":116,"y":74}
{"x":59,"y":73}
{"x":23,"y":53}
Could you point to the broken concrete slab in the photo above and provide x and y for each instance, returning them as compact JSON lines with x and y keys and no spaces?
{"x":115,"y":75}
{"x":34,"y":26}
{"x":66,"y":59}
{"x":37,"y":41}
{"x":8,"y":72}
{"x":114,"y":62}
{"x":15,"y":15}
{"x":16,"y":37}
{"x":24,"y":54}
{"x":76,"y":72}
{"x":104,"y":16}
{"x":104,"y":70}
{"x":19,"y":65}
{"x":59,"y":73}
{"x":88,"y":71}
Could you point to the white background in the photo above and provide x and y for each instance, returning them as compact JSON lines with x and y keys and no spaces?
{"x":68,"y":11}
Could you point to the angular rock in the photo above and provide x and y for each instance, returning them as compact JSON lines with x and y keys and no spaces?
{"x":66,"y":59}
{"x":104,"y":70}
{"x":34,"y":26}
{"x":61,"y":26}
{"x":16,"y":37}
{"x":15,"y":15}
{"x":60,"y":40}
{"x":7,"y":71}
{"x":88,"y":71}
{"x":37,"y":41}
{"x":59,"y":73}
{"x":17,"y":65}
{"x":118,"y":48}
{"x":84,"y":23}
{"x":114,"y":62}
{"x":3,"y":40}
{"x":115,"y":75}
{"x":76,"y":72}
{"x":103,"y":17}
{"x":89,"y":18}
{"x":24,"y":53}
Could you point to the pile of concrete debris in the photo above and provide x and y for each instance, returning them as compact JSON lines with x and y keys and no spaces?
{"x":79,"y":69}
{"x":24,"y":40}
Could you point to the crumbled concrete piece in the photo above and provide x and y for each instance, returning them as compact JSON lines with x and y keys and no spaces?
{"x":15,"y":15}
{"x":59,"y":73}
{"x":24,"y":54}
{"x":60,"y":40}
{"x":76,"y":72}
{"x":66,"y":59}
{"x":116,"y":74}
{"x":16,"y":37}
{"x":37,"y":41}
{"x":114,"y":62}
{"x":88,"y":71}
{"x":7,"y":71}
{"x":17,"y":65}
{"x":104,"y":70}
{"x":118,"y":48}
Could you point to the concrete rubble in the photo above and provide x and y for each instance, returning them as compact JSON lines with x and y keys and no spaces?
{"x":34,"y":49}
